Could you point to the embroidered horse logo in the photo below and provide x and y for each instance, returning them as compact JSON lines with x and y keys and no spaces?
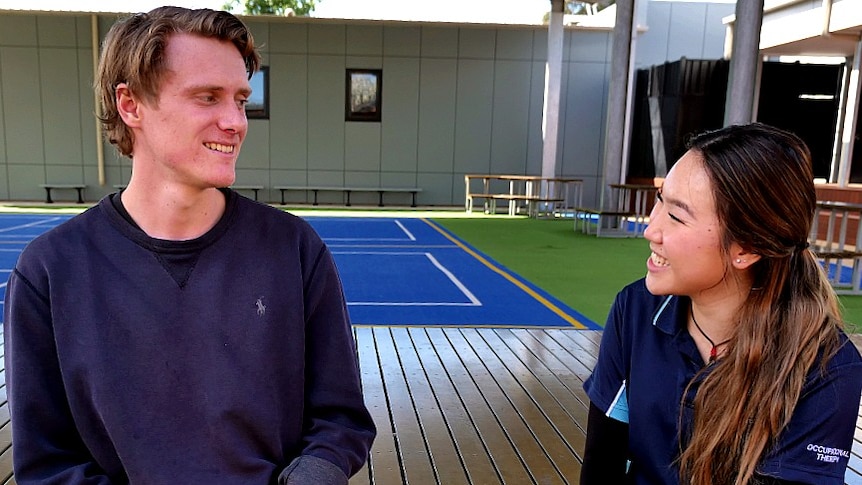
{"x":261,"y":308}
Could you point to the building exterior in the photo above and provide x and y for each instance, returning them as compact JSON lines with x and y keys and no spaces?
{"x":456,"y":99}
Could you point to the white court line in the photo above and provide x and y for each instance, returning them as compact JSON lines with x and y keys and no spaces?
{"x":10,"y":250}
{"x":364,"y":239}
{"x":467,"y":293}
{"x":409,"y":234}
{"x":372,"y":246}
{"x":32,"y":224}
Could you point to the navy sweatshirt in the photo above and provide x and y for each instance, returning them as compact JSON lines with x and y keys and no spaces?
{"x":219,"y":360}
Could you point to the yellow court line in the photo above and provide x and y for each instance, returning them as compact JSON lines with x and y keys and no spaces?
{"x":550,"y":306}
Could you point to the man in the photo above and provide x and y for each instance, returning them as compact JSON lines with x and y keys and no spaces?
{"x":178,"y":333}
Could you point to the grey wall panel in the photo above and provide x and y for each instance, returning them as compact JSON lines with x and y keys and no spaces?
{"x":289,"y":111}
{"x":83,"y":33}
{"x":437,"y":87}
{"x":713,"y":37}
{"x":515,"y":44}
{"x":4,"y":183}
{"x":2,"y":119}
{"x":399,"y":137}
{"x":287,"y":177}
{"x":61,"y":123}
{"x":398,"y":179}
{"x":686,"y":39}
{"x":57,"y":31}
{"x":437,"y":188}
{"x":477,"y":43}
{"x":64,"y":173}
{"x":24,"y":182}
{"x":359,"y":178}
{"x":251,"y":176}
{"x":364,"y":40}
{"x":18,"y":30}
{"x":364,"y":62}
{"x":19,"y":68}
{"x":402,"y":41}
{"x":86,"y":108}
{"x":535,"y":135}
{"x":473,"y":116}
{"x":585,"y":106}
{"x":510,"y":123}
{"x":326,"y":113}
{"x":288,"y":38}
{"x":361,"y":147}
{"x":255,"y":151}
{"x":440,"y":42}
{"x":326,"y":39}
{"x":589,"y":46}
{"x":652,"y":46}
{"x":260,"y":32}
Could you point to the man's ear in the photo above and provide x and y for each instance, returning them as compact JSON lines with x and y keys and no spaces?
{"x":742,"y":258}
{"x":128,"y":105}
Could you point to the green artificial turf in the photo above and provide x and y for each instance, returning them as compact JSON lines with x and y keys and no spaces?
{"x":583,"y":271}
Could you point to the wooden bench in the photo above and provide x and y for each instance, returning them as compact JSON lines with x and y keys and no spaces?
{"x":534,"y":202}
{"x":254,"y":188}
{"x":543,"y":196}
{"x":837,"y":244}
{"x":348,"y":190}
{"x":49,"y":187}
{"x":609,"y":223}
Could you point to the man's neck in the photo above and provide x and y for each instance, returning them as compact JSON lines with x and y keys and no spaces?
{"x":173,"y":213}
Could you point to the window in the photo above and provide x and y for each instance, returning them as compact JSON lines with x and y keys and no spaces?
{"x":258,"y":104}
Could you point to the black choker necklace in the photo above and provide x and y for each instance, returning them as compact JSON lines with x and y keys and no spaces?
{"x":713,"y":352}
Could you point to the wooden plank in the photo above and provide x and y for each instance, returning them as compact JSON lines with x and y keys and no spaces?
{"x":566,"y":415}
{"x":496,"y":439}
{"x":466,"y":405}
{"x":409,"y":436}
{"x":383,"y":454}
{"x":446,"y":462}
{"x":513,"y":414}
{"x":541,"y":414}
{"x":472,"y":454}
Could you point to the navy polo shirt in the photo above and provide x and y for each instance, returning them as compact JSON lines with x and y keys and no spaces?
{"x":646,"y":360}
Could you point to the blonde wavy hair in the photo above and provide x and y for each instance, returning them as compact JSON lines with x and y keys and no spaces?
{"x":133,"y":52}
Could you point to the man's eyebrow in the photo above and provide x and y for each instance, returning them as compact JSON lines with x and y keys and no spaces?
{"x":207,"y":88}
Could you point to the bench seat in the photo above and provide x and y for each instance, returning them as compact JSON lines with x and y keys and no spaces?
{"x":533,"y":202}
{"x":609,"y":223}
{"x":253,"y":188}
{"x":77,"y":187}
{"x":348,"y":190}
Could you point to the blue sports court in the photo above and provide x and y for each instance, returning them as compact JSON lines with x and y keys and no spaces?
{"x":395,"y":271}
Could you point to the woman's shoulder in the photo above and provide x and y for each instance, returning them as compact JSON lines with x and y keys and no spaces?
{"x":847,"y":353}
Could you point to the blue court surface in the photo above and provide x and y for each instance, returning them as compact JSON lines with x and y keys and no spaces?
{"x":395,"y":271}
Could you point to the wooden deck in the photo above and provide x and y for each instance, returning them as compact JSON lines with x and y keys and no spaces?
{"x":469,"y":406}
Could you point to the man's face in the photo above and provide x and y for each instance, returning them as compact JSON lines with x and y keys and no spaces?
{"x":192,"y":135}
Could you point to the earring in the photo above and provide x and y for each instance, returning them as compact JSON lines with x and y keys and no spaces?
{"x":739,"y":261}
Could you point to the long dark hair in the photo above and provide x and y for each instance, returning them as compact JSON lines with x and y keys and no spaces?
{"x":765,"y":202}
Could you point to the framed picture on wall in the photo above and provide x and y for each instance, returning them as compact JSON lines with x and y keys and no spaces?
{"x":258,"y":104}
{"x":364,"y":95}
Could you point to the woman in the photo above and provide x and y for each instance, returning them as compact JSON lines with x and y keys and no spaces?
{"x":727,"y":364}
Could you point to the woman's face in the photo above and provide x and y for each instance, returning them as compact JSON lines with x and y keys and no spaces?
{"x":685,"y":237}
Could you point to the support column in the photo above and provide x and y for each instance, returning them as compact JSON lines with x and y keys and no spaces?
{"x":851,"y":117}
{"x":744,"y":62}
{"x":553,"y":80}
{"x":617,"y":101}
